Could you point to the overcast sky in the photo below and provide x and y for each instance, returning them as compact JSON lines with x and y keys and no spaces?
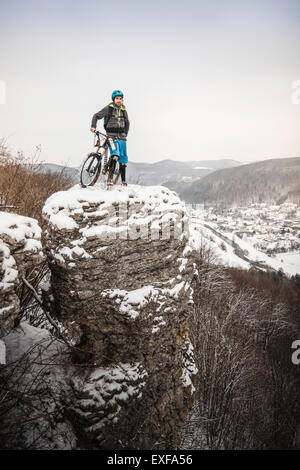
{"x":201,"y":79}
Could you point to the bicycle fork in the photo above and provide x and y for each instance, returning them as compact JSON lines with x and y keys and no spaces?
{"x":90,"y":166}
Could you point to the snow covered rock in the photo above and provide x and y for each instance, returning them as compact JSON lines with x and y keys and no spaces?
{"x":121,"y":285}
{"x":20,"y":253}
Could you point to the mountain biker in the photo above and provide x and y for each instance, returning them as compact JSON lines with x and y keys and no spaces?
{"x":116,"y":124}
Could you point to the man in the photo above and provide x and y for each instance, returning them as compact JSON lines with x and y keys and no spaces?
{"x":116,"y":124}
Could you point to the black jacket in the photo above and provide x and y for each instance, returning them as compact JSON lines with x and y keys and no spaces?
{"x":116,"y":122}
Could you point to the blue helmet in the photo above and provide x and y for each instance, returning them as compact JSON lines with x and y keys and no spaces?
{"x":116,"y":93}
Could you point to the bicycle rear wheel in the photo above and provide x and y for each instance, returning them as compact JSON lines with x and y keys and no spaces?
{"x":90,"y":170}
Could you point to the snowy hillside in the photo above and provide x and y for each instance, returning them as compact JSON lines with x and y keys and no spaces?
{"x":271,"y":181}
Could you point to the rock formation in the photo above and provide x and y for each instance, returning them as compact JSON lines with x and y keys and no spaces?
{"x":121,"y":286}
{"x":20,"y":254}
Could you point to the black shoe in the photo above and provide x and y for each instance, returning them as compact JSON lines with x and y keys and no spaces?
{"x":124,"y":183}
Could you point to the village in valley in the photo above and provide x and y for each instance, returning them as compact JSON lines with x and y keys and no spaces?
{"x":262,"y":230}
{"x":271,"y":229}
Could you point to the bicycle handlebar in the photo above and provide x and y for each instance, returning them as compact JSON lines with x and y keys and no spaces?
{"x":98,"y":133}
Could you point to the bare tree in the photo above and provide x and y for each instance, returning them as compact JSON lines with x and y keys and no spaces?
{"x":245,"y":399}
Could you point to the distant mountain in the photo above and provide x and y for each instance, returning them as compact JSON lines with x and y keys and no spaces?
{"x":67,"y":171}
{"x":273,"y":181}
{"x":156,"y":173}
{"x":224,"y":182}
{"x":172,"y":170}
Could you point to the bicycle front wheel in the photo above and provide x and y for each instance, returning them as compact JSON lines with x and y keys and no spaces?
{"x":90,"y":170}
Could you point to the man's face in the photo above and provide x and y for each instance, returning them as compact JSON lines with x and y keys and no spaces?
{"x":118,"y":101}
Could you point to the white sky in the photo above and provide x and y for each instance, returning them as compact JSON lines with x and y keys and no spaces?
{"x":202,"y":80}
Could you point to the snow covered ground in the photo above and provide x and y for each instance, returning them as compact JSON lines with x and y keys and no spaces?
{"x":202,"y":236}
{"x":209,"y":233}
{"x":291,"y":261}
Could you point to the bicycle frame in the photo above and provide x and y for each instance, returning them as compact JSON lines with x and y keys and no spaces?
{"x":104,"y":143}
{"x":100,"y":154}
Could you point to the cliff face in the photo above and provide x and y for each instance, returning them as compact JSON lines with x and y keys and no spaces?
{"x":20,"y":254}
{"x":120,"y":284}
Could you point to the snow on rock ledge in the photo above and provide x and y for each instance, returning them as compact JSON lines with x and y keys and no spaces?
{"x":134,"y":212}
{"x":121,"y":284}
{"x":20,"y":253}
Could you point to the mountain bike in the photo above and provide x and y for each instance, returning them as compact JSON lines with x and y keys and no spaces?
{"x":91,"y":167}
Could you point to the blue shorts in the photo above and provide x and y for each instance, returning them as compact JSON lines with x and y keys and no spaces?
{"x":118,"y":147}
